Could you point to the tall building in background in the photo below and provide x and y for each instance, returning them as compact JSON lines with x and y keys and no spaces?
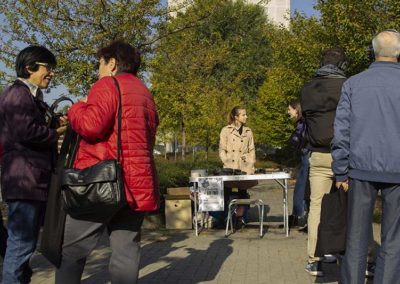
{"x":278,"y":11}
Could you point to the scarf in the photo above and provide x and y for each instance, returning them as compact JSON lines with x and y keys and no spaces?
{"x":331,"y":71}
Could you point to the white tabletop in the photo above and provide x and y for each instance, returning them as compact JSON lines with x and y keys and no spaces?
{"x":274,"y":175}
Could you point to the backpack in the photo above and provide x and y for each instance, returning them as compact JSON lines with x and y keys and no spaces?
{"x":298,"y":137}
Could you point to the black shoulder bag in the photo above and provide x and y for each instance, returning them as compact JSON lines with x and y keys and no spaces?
{"x":96,"y":193}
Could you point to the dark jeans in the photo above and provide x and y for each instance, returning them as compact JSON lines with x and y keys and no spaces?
{"x":299,"y":203}
{"x":24,"y":220}
{"x":81,"y":237}
{"x":3,"y":233}
{"x":361,"y":201}
{"x":3,"y":237}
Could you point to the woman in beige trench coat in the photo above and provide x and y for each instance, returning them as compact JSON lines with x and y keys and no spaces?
{"x":237,"y":151}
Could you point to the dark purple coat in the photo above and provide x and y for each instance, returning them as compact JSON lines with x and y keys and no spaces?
{"x":28,"y":145}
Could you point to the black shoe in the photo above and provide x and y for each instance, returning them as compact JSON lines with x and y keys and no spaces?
{"x":329,"y":258}
{"x":314,"y":268}
{"x":302,"y":222}
{"x":293,"y":221}
{"x":370,"y":271}
{"x":239,"y":223}
{"x":303,"y":229}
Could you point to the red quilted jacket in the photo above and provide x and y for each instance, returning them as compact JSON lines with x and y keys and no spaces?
{"x":96,"y":123}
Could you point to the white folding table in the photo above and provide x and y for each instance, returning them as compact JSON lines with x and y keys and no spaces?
{"x":280,"y":177}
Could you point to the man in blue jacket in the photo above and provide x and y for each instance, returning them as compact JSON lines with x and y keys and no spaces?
{"x":28,"y":155}
{"x":366,"y":158}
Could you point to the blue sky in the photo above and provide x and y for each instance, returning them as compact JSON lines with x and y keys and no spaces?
{"x":305,"y":6}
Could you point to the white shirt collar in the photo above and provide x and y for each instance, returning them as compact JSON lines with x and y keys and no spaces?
{"x":32,"y":87}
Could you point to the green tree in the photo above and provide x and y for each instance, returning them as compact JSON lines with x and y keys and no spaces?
{"x":217,"y":60}
{"x":74,"y":30}
{"x":294,"y":59}
{"x":350,"y":24}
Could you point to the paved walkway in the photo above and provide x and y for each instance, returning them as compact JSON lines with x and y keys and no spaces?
{"x":180,"y":257}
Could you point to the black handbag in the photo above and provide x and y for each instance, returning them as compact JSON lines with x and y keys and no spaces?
{"x":54,"y":221}
{"x":332,"y":227}
{"x":96,"y":193}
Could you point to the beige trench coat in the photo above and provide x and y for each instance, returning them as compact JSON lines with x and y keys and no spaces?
{"x":237,"y":151}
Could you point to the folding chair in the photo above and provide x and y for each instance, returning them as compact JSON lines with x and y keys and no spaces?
{"x":251,"y":202}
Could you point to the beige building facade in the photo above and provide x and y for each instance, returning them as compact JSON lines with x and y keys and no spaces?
{"x":278,"y":11}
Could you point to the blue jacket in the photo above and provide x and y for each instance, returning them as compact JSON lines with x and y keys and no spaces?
{"x":366,"y":143}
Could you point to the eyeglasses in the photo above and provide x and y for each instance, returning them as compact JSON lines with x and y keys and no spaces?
{"x":46,"y":65}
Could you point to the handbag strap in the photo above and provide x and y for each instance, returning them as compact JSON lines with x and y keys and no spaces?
{"x":68,"y":143}
{"x":119,"y":120}
{"x":75,"y":146}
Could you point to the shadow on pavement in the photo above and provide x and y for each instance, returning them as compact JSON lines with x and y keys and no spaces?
{"x":196,"y":266}
{"x":156,"y":247}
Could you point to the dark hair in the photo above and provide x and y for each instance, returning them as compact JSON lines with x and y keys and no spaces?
{"x":335,"y":56}
{"x":127,"y":57}
{"x":295,"y":104}
{"x":28,"y":57}
{"x":234,"y":112}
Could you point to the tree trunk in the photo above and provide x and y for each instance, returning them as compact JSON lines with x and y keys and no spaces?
{"x":165,"y":151}
{"x":207,"y":146}
{"x":183,"y":142}
{"x":175,"y":147}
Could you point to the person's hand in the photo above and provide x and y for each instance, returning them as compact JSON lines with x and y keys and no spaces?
{"x":343,"y":184}
{"x":61,"y":130}
{"x":63,"y":120}
{"x":84,"y":99}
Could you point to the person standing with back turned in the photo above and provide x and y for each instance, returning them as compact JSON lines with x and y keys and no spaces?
{"x":366,"y":159}
{"x":319,"y":99}
{"x":95,"y":120}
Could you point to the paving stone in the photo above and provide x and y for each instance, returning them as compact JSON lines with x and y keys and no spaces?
{"x":174,"y":256}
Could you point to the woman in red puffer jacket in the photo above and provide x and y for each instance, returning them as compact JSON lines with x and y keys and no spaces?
{"x":94,"y":119}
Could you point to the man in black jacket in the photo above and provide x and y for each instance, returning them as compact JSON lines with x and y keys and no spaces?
{"x":319,"y":99}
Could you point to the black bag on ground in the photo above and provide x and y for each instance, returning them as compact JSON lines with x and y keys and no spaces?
{"x":332,"y":227}
{"x":54,"y":222}
{"x":97,"y":192}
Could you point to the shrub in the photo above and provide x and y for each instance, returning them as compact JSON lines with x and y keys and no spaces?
{"x":173,"y":173}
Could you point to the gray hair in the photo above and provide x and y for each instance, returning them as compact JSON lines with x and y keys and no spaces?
{"x":387,"y":44}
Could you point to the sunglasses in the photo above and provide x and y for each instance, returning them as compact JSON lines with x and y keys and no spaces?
{"x":46,"y":65}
